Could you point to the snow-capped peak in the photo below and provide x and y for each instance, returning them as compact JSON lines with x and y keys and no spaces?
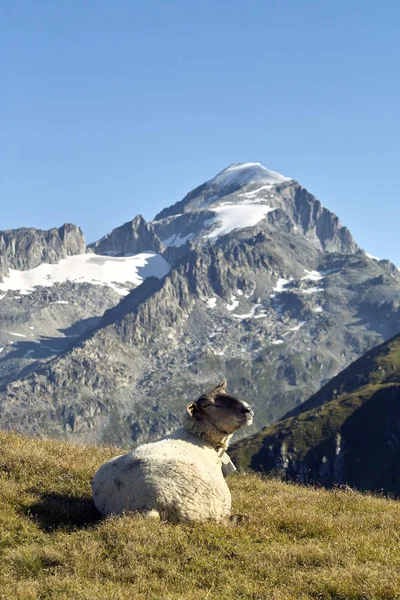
{"x":239,"y":174}
{"x":245,"y":177}
{"x":249,"y":188}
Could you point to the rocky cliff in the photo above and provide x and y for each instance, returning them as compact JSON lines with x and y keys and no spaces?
{"x":131,"y":238}
{"x":26,"y":248}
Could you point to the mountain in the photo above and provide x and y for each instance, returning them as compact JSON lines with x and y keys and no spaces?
{"x":247,"y":277}
{"x":346,"y":433}
{"x":26,"y":248}
{"x":52,"y":291}
{"x":243,"y":196}
{"x":131,"y":238}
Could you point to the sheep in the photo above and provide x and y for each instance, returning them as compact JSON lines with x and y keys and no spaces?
{"x":179,"y":478}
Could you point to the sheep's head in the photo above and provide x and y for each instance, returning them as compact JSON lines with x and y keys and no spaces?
{"x":225,"y":412}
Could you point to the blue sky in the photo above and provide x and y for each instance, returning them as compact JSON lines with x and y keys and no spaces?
{"x":110,"y":109}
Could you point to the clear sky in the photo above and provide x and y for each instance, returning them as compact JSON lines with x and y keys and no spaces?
{"x":113,"y":108}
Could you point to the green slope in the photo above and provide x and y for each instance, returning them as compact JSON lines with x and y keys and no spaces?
{"x":300,"y":543}
{"x":348,"y":432}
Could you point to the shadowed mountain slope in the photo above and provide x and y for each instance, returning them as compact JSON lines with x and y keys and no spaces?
{"x":348,"y":432}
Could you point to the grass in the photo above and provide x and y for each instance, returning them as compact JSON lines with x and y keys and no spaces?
{"x":300,"y":542}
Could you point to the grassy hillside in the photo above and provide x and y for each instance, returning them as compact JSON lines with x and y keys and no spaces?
{"x":347,"y":432}
{"x":301,"y":543}
{"x":379,"y":366}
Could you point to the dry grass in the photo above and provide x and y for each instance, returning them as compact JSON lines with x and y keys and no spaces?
{"x":301,"y":542}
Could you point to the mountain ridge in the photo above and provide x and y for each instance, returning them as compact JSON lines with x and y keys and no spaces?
{"x":26,"y":248}
{"x":262,"y":283}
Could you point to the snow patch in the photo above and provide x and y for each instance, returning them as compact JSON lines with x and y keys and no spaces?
{"x":252,"y":314}
{"x":280,"y":284}
{"x":236,"y":216}
{"x":256,"y":192}
{"x":312,"y":290}
{"x":218,"y":352}
{"x":113,"y":272}
{"x":312,"y":276}
{"x":297,"y":327}
{"x":372,"y":256}
{"x":16,"y":334}
{"x":243,"y":173}
{"x":211,"y":302}
{"x":318,"y":309}
{"x":251,"y":292}
{"x":276,"y":342}
{"x":168,"y":219}
{"x":245,"y":316}
{"x":177,"y":240}
{"x":234,"y":303}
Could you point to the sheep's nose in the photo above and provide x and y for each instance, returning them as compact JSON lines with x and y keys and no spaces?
{"x":246,"y":409}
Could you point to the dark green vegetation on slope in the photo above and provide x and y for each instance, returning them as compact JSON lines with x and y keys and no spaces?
{"x":301,"y":543}
{"x":348,"y":432}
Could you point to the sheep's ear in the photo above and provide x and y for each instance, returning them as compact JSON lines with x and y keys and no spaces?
{"x":191,"y":408}
{"x":220,"y":388}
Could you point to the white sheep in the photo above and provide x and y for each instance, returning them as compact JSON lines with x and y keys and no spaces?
{"x":180,"y":477}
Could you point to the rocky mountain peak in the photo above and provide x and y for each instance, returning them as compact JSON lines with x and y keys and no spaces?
{"x":242,"y":196}
{"x":27,"y":248}
{"x":240,"y":174}
{"x":249,"y":196}
{"x":131,"y":238}
{"x":229,"y":180}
